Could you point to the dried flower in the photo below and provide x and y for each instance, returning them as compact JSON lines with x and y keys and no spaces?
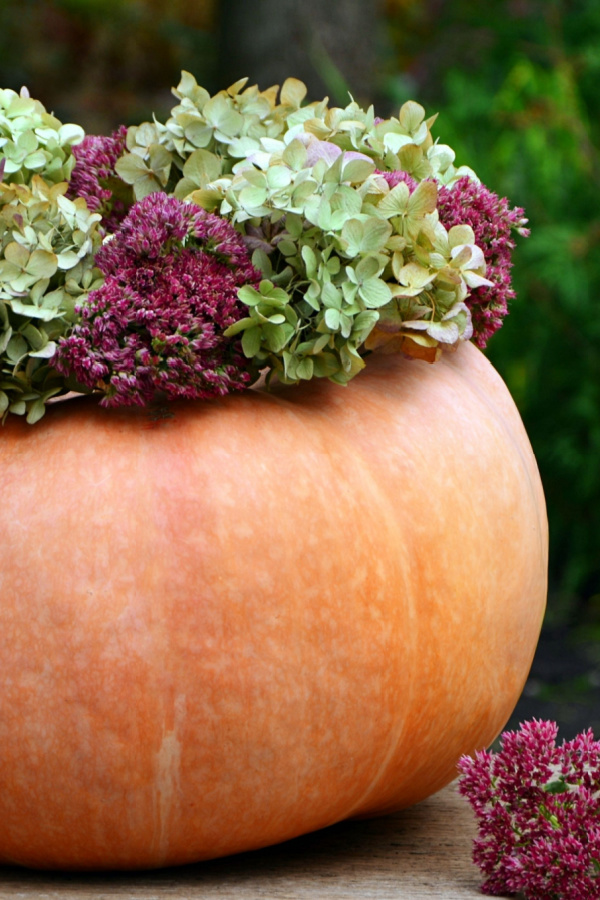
{"x":468,"y":202}
{"x":94,"y":177}
{"x":538,"y":812}
{"x":156,"y":324}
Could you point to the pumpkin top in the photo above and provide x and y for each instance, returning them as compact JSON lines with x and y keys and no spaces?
{"x":250,"y":231}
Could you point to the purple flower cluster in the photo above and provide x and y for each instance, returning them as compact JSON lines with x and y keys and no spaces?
{"x":538,"y":812}
{"x":468,"y":203}
{"x":172,"y":273}
{"x":94,"y":171}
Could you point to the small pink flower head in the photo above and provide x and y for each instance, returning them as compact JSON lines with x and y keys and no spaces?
{"x":469,"y":203}
{"x":538,"y":813}
{"x":96,"y":157}
{"x":172,"y":273}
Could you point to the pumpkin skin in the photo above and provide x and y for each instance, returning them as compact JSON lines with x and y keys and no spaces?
{"x":260,"y":615}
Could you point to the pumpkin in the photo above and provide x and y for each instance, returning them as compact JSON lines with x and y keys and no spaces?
{"x":225,"y":624}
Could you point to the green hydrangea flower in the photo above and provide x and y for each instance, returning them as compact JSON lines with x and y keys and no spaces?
{"x":348,"y":258}
{"x":34,"y":142}
{"x":47,"y":248}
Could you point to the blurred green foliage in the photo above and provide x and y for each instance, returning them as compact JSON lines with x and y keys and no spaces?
{"x":516,"y":85}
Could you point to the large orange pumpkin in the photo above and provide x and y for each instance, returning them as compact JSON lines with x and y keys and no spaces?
{"x":232,"y":622}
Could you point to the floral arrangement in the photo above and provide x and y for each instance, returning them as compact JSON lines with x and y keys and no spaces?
{"x":251,"y":231}
{"x":538,"y":812}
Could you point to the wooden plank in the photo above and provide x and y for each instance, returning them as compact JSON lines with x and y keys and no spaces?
{"x":420,"y":852}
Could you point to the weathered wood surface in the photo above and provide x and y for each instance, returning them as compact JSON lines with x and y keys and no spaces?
{"x":420,"y":852}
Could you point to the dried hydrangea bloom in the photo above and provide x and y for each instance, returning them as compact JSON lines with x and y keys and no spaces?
{"x":467,"y":202}
{"x":95,"y":166}
{"x":538,"y":812}
{"x":172,"y":273}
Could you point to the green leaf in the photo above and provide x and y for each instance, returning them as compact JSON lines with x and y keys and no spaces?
{"x":198,"y":133}
{"x":395,"y":203}
{"x":375,"y":293}
{"x":325,"y":365}
{"x":411,"y":116}
{"x":363,"y":324}
{"x":240,"y":325}
{"x":352,"y":362}
{"x":293,"y":92}
{"x":368,"y":267}
{"x":251,"y":341}
{"x":133,"y":170}
{"x":46,"y":352}
{"x":67,"y":260}
{"x":556,"y":787}
{"x":35,"y":160}
{"x":70,"y":134}
{"x":16,"y":254}
{"x":277,"y":336}
{"x":278,"y":177}
{"x":347,"y":201}
{"x":42,"y":264}
{"x":352,"y":235}
{"x":249,"y":295}
{"x":287,"y":248}
{"x":220,"y":113}
{"x":295,"y":155}
{"x":305,"y":368}
{"x":202,"y":167}
{"x":243,"y":147}
{"x":253,"y":198}
{"x":35,"y":411}
{"x":357,"y":170}
{"x":331,"y":296}
{"x":310,"y":260}
{"x":33,"y":312}
{"x":423,"y":199}
{"x":332,"y":319}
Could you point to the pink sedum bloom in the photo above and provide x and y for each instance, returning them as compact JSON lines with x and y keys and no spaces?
{"x":172,"y":273}
{"x":469,"y":203}
{"x":538,"y":811}
{"x":95,"y":165}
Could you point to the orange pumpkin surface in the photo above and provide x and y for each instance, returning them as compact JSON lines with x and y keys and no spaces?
{"x":257,"y":616}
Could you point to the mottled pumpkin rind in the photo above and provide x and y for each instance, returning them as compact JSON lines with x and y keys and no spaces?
{"x":225,"y":624}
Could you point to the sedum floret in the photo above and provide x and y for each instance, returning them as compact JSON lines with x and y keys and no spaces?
{"x":538,"y":812}
{"x":172,"y":273}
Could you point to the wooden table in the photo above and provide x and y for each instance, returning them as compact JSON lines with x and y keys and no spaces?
{"x":420,"y":852}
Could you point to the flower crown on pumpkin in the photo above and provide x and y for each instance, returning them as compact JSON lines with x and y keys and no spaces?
{"x":250,"y":231}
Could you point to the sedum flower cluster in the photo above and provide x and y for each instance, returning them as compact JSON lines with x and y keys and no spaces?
{"x":358,"y":233}
{"x":538,"y":812}
{"x":94,"y":178}
{"x":493,"y":224}
{"x":158,"y":322}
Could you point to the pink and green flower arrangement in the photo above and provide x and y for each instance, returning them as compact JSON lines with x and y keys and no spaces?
{"x":251,"y":232}
{"x":537,"y":807}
